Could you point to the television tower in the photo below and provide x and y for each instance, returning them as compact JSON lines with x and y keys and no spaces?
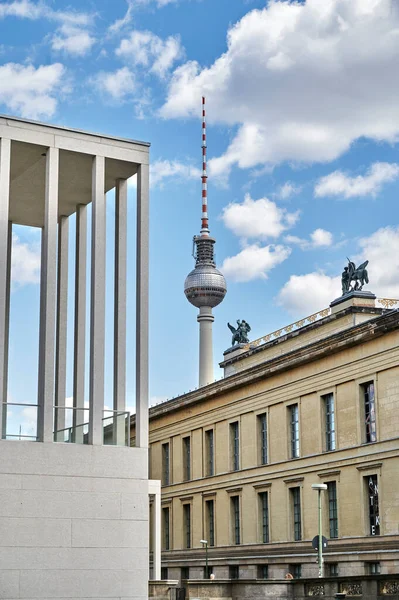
{"x":205,"y":286}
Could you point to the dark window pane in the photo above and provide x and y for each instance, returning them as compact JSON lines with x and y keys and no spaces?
{"x":296,"y":509}
{"x":332,"y":508}
{"x":262,"y":426}
{"x":369,"y":412}
{"x":330,"y":421}
{"x":264,"y":511}
{"x":294,"y":426}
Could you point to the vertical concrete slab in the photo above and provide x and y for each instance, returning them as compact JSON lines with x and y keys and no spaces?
{"x":142,"y":307}
{"x":97,"y":313}
{"x":48,"y":297}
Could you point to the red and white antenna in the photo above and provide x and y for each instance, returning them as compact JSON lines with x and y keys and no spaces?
{"x":204,"y":219}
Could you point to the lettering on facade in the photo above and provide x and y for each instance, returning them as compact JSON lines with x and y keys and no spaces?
{"x":374,"y":510}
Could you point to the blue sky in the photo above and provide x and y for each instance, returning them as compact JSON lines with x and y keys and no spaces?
{"x":303,"y":126}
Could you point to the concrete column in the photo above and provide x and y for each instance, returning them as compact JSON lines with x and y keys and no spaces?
{"x":97,"y":314}
{"x":142,"y":307}
{"x":79,"y":352}
{"x":154,"y":488}
{"x":5,"y":252}
{"x":3,"y":417}
{"x":62,"y":315}
{"x":48,"y":297}
{"x":205,"y":320}
{"x":120,"y":310}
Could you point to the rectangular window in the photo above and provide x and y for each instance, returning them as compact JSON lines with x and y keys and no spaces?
{"x":263,"y":572}
{"x":187,"y":525}
{"x":264,"y":512}
{"x":371,"y":483}
{"x":329,"y":411}
{"x":332,"y":508}
{"x":185,"y":573}
{"x":369,"y":412}
{"x":186,"y":458}
{"x":210,"y":518}
{"x":234,"y":446}
{"x":234,"y":572}
{"x":262,"y":433}
{"x":235,"y":514}
{"x":296,"y":571}
{"x":294,"y":430}
{"x":332,"y":569}
{"x":164,"y":573}
{"x":165,"y":464}
{"x":166,"y":528}
{"x":373,"y":568}
{"x":296,"y":512}
{"x":209,"y":453}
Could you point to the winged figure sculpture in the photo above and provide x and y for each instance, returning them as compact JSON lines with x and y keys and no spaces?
{"x":240,"y":333}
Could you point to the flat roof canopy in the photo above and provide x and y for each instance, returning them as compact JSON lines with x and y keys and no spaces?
{"x":28,"y":176}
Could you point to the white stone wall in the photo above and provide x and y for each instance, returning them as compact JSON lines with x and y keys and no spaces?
{"x":73,"y":522}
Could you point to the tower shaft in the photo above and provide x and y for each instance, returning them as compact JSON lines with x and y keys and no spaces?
{"x":205,"y":319}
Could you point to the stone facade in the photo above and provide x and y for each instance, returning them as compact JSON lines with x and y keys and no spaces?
{"x":323,"y":409}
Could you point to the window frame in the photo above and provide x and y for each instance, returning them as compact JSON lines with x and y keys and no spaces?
{"x":263,"y":450}
{"x":332,"y":503}
{"x":235,"y":519}
{"x":166,"y":529}
{"x":166,"y":463}
{"x":209,"y":452}
{"x":330,"y":437}
{"x":187,"y":528}
{"x":264,"y":510}
{"x":369,"y":411}
{"x":294,"y":429}
{"x":234,"y":433}
{"x":186,"y":447}
{"x":296,"y":509}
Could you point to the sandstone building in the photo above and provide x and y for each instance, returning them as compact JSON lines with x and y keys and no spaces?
{"x":317,"y":402}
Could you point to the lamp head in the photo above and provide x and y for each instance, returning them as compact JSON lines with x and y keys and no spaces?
{"x":319,"y":486}
{"x":203,"y":541}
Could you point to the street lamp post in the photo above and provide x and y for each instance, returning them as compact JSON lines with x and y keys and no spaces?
{"x":320,"y":487}
{"x":205,"y":542}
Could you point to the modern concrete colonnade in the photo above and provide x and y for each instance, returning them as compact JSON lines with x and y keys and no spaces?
{"x":78,"y":168}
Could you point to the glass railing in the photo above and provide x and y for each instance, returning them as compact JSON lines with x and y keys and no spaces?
{"x":19,"y":421}
{"x":116,"y":430}
{"x":71,"y":424}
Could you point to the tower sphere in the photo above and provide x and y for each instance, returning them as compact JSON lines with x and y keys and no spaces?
{"x":205,"y":286}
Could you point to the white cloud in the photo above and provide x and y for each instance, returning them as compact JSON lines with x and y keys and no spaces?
{"x":72,"y":40}
{"x":146,"y":49}
{"x":31,"y":92}
{"x":25,"y":9}
{"x":25,"y":262}
{"x":300,"y":80}
{"x":303,"y":295}
{"x":319,"y":238}
{"x":120,"y":24}
{"x":162,"y":170}
{"x":257,"y":218}
{"x":370,"y":184}
{"x":379,"y":249}
{"x":118,"y":84}
{"x":71,"y":37}
{"x":287,"y":190}
{"x":254,"y":262}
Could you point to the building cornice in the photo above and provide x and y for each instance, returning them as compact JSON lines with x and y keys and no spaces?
{"x":358,"y":334}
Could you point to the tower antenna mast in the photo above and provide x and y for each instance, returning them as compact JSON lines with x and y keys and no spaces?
{"x":205,"y":286}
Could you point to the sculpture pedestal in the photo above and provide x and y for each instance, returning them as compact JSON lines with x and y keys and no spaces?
{"x":355,"y":298}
